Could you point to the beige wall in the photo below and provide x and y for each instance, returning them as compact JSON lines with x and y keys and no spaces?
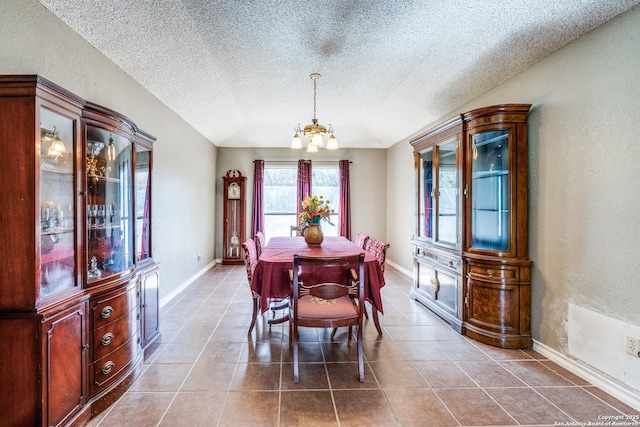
{"x":367,"y":171}
{"x":583,"y":134}
{"x":36,"y":42}
{"x":584,"y":209}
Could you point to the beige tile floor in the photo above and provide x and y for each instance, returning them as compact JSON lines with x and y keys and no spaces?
{"x":208,"y":372}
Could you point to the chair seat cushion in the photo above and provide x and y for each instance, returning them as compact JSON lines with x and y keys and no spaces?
{"x":312,"y":307}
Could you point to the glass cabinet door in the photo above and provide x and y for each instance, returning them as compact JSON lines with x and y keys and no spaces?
{"x":57,"y":203}
{"x":439,"y":193}
{"x":490,"y":190}
{"x":427,"y":203}
{"x":448,"y":193}
{"x":143,"y":203}
{"x":109,"y":204}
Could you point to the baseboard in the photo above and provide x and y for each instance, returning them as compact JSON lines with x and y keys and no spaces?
{"x":167,"y":299}
{"x":402,"y":270}
{"x":619,"y":391}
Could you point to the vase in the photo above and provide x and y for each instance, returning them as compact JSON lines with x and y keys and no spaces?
{"x":313,"y":235}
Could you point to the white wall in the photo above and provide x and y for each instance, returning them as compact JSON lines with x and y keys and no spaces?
{"x":584,"y":209}
{"x":367,"y":171}
{"x":34,"y":41}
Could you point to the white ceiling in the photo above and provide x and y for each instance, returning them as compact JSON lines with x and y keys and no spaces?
{"x":238,"y":71}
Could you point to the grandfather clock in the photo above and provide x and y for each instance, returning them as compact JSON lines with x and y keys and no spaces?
{"x":234,"y":216}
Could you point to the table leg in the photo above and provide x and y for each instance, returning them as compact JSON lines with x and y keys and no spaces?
{"x":374,"y":313}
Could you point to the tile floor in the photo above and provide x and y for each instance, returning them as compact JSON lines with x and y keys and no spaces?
{"x":208,"y":372}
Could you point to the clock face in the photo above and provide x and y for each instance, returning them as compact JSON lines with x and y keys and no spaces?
{"x":233,"y":191}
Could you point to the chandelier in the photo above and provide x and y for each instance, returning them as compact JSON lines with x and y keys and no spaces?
{"x":314,"y":131}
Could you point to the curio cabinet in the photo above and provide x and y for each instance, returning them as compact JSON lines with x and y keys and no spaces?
{"x":470,"y":245}
{"x":78,"y":289}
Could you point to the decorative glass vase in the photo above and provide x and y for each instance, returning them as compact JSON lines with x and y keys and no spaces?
{"x":313,"y":235}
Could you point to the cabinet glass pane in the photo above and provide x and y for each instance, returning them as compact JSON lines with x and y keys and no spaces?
{"x":57,"y":207}
{"x":109,"y":204}
{"x":490,"y":190}
{"x":143,"y":203}
{"x":426,"y":195}
{"x":447,"y":197}
{"x":233,"y":230}
{"x":426,"y":276}
{"x":447,"y":291}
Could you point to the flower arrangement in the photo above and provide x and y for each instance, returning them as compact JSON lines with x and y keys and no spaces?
{"x":314,"y":209}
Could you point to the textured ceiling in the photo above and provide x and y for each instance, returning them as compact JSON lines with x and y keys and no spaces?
{"x":238,"y":71}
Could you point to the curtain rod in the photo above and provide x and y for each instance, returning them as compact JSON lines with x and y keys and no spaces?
{"x":295,"y":162}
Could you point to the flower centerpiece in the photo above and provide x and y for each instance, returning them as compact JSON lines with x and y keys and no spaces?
{"x":313,"y":210}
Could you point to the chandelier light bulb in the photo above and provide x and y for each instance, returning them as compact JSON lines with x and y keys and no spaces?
{"x":296,"y":142}
{"x":111,"y":150}
{"x":311,"y":148}
{"x":317,"y":140}
{"x":57,"y":148}
{"x":332,"y":143}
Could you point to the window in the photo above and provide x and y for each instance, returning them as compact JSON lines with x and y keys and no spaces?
{"x":279,"y":200}
{"x":325,"y":181}
{"x":280,"y":188}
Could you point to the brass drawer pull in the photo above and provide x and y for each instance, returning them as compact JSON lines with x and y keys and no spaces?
{"x":107,"y":338}
{"x":490,"y":272}
{"x":106,"y":369}
{"x":435,"y":285}
{"x":107,"y":312}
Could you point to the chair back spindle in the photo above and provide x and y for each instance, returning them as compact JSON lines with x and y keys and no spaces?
{"x":378,"y":249}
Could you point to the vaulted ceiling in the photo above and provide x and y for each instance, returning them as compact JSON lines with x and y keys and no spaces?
{"x":238,"y":71}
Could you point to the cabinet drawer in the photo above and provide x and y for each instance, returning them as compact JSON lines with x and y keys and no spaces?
{"x":108,"y":338}
{"x":440,"y":259}
{"x":112,"y":366}
{"x":107,"y":308}
{"x":493,"y":272}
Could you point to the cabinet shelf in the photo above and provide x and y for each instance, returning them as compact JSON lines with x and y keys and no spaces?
{"x":489,"y":174}
{"x":56,"y":231}
{"x":104,"y":227}
{"x":100,"y":178}
{"x":53,"y":170}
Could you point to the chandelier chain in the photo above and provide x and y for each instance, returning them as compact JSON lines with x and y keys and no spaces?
{"x":314,"y":97}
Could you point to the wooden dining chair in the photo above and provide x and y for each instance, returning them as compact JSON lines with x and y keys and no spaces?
{"x":327,"y":292}
{"x":361,"y":240}
{"x":250,"y":262}
{"x":261,"y":242}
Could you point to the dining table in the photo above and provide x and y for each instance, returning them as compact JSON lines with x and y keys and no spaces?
{"x":271,"y":278}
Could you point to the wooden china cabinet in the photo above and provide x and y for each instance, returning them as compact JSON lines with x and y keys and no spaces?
{"x":470,"y":246}
{"x":79,"y":289}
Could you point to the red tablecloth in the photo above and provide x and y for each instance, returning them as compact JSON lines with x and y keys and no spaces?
{"x":60,"y":252}
{"x":271,"y":276}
